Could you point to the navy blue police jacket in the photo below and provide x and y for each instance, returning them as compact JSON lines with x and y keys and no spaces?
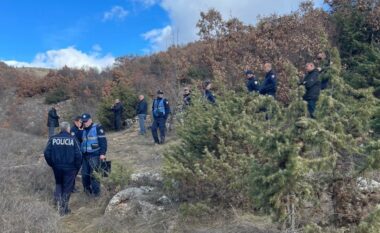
{"x":142,"y":107}
{"x":117,"y":109}
{"x":53,"y":118}
{"x":76,"y":132}
{"x":166,"y":106}
{"x":63,"y":152}
{"x":312,"y":85}
{"x":252,"y":85}
{"x":101,"y":140}
{"x":269,"y":86}
{"x":210,"y":97}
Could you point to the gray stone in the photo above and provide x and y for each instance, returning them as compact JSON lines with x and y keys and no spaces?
{"x":164,"y":200}
{"x":132,"y":201}
{"x":367,"y":185}
{"x":147,"y":179}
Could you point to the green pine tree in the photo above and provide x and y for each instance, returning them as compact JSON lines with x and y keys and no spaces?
{"x":127,"y":97}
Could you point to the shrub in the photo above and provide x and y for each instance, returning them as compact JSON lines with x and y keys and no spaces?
{"x":197,"y":210}
{"x":376,"y":122}
{"x":118,"y":179}
{"x":127,"y":97}
{"x":299,"y":157}
{"x":213,"y":160}
{"x":249,"y":150}
{"x":371,"y":224}
{"x":56,"y":96}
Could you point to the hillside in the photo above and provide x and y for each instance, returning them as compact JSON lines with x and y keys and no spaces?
{"x":252,"y":162}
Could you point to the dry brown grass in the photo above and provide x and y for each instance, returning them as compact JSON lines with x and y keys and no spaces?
{"x":25,"y":186}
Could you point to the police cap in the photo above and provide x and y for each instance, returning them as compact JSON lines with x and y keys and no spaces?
{"x":86,"y":117}
{"x":247,"y":72}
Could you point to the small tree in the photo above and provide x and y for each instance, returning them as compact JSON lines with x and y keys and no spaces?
{"x":300,"y":157}
{"x":212,"y":161}
{"x":127,"y":97}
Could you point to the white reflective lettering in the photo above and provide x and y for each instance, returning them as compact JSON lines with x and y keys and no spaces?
{"x":63,"y":141}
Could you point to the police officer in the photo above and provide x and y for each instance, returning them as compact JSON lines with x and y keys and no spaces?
{"x":141,"y":111}
{"x":313,"y":87}
{"x":77,"y":128}
{"x":76,"y":131}
{"x":117,"y":110}
{"x":252,"y":83}
{"x":94,"y":148}
{"x":160,"y":113}
{"x":63,"y":154}
{"x":207,"y":92}
{"x":53,"y":120}
{"x":186,"y":97}
{"x":269,"y":86}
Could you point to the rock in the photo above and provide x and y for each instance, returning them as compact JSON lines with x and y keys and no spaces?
{"x":147,"y":209}
{"x":164,"y":200}
{"x":147,"y":179}
{"x":367,"y":185}
{"x":133,"y":201}
{"x":126,"y":195}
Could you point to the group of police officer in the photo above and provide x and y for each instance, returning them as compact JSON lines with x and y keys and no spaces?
{"x":82,"y":146}
{"x":311,"y":80}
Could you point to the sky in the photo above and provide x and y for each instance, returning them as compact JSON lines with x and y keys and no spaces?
{"x":92,"y":33}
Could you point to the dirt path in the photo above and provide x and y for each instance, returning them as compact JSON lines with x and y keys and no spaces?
{"x":127,"y":148}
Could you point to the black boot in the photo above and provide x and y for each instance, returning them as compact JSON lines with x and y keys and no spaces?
{"x":64,"y":208}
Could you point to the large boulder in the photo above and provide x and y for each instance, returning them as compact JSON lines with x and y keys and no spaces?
{"x":136,"y":201}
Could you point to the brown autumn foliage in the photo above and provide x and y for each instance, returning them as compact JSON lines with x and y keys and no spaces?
{"x":78,"y":83}
{"x":226,"y":48}
{"x":229,"y":47}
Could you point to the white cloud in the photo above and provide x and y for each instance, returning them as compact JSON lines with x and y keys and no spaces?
{"x":116,"y":13}
{"x":70,"y":57}
{"x":146,"y":3}
{"x":184,"y":15}
{"x":159,"y":38}
{"x":96,"y":48}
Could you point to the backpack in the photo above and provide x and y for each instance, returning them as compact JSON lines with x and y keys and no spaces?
{"x":159,"y":108}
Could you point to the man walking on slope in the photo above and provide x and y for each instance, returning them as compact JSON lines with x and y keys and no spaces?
{"x":63,"y":154}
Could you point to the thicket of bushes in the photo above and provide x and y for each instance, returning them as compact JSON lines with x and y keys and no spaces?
{"x":253,"y":152}
{"x":56,"y":96}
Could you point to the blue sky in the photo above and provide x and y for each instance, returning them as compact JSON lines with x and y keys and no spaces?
{"x":81,"y":33}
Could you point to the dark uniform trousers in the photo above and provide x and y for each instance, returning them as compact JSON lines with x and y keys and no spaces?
{"x":117,"y":122}
{"x":64,"y":184}
{"x":91,"y":163}
{"x":311,"y":105}
{"x":159,"y":123}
